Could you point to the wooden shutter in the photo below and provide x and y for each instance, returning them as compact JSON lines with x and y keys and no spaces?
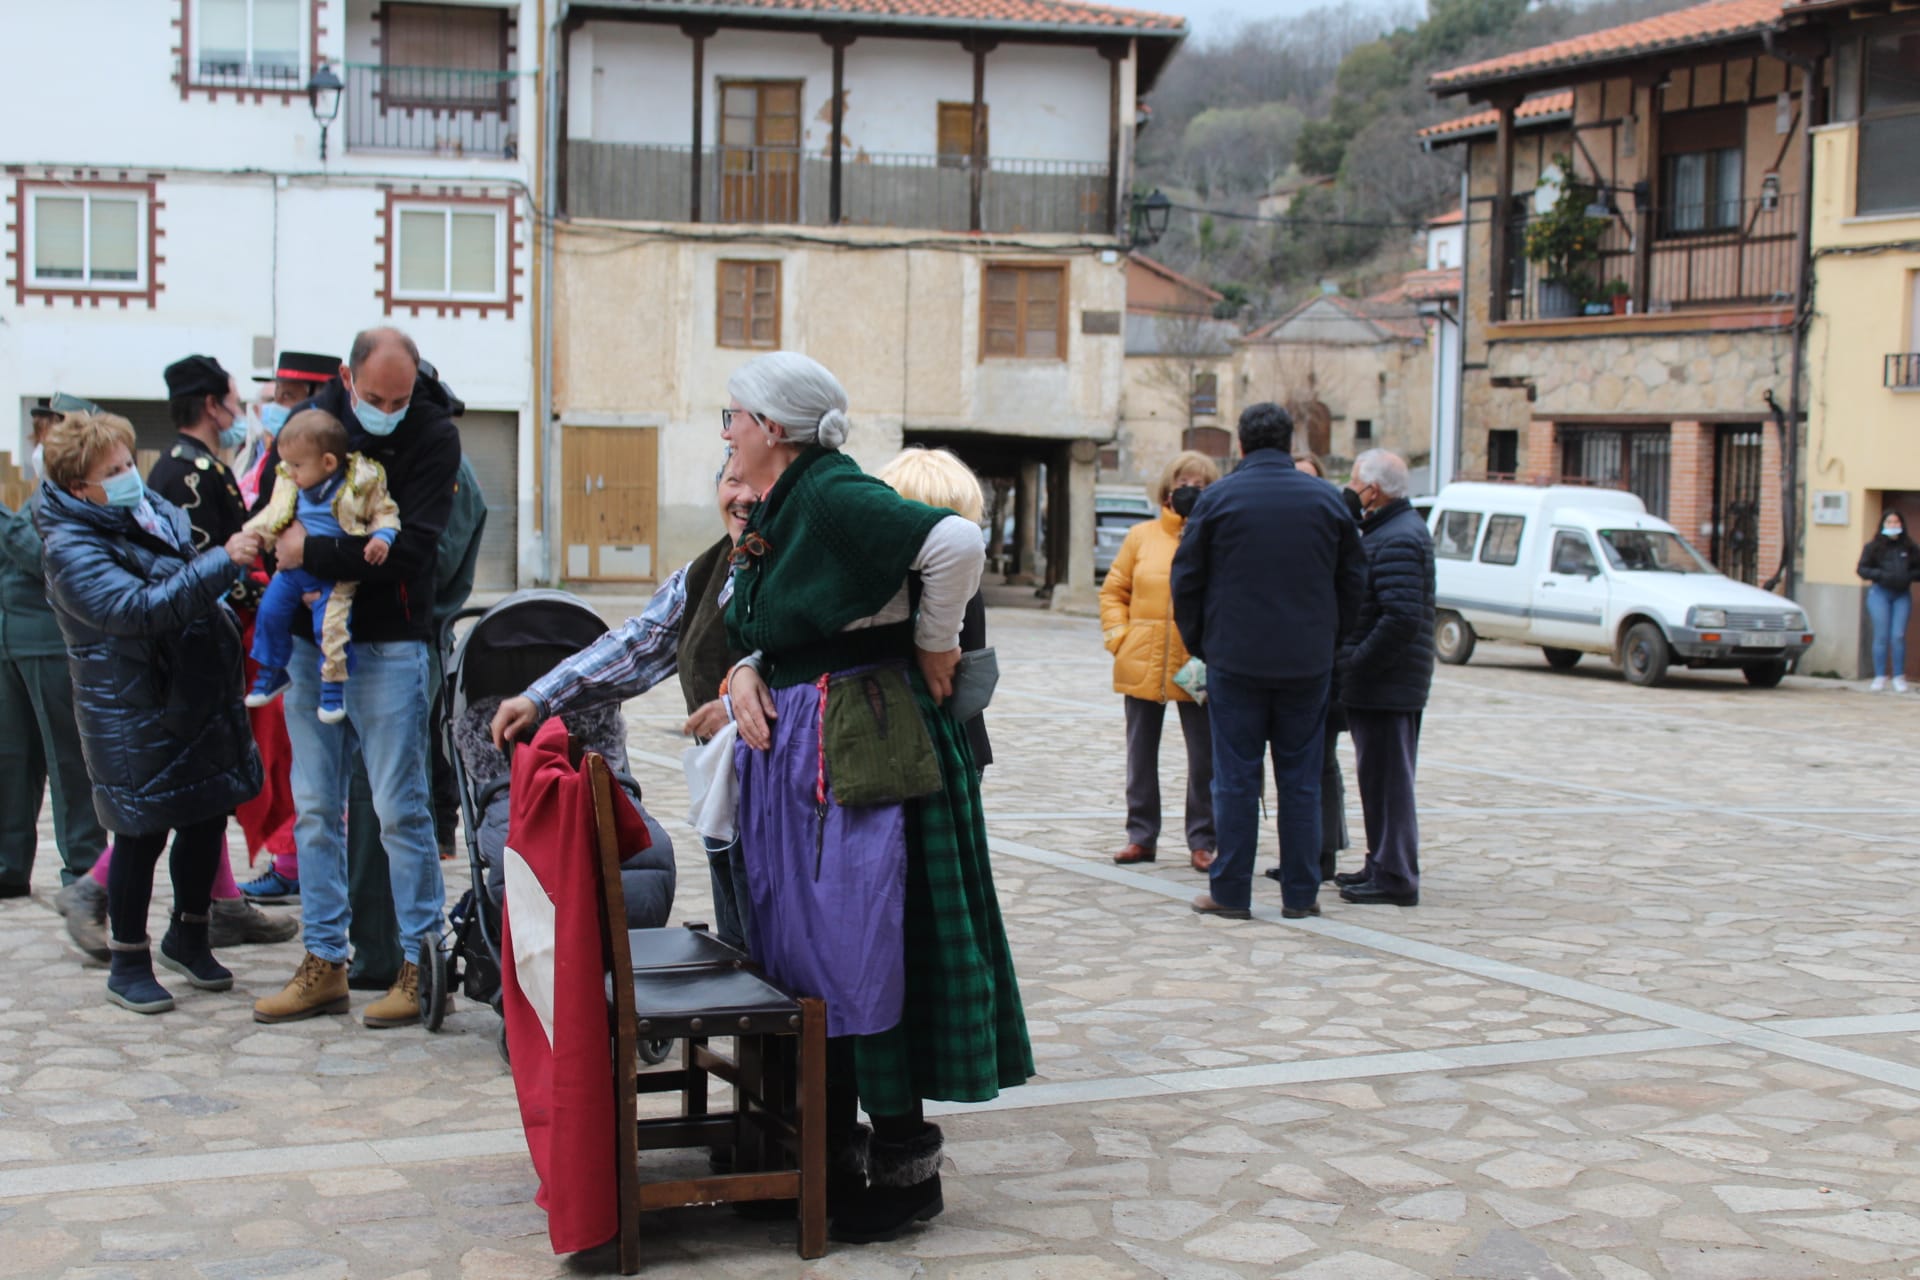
{"x":749,"y":305}
{"x":956,"y":132}
{"x":1025,"y":313}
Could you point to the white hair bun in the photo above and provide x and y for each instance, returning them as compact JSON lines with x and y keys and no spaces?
{"x":832,"y":431}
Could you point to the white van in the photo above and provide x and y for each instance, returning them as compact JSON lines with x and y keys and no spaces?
{"x":1577,"y":570}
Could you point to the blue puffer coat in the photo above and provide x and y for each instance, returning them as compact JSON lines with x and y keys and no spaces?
{"x":156,"y":661}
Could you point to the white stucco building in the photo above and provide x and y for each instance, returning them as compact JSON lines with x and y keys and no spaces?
{"x":171,"y":198}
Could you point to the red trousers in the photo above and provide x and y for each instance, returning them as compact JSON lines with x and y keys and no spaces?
{"x":267,"y":819}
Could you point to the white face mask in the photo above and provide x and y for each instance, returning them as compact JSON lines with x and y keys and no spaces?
{"x":1890,"y":531}
{"x":38,"y":466}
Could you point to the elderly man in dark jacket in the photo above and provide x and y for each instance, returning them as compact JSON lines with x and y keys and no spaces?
{"x":1386,"y":669}
{"x":1267,"y":579}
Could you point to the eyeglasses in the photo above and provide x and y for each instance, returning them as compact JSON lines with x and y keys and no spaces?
{"x":727,"y":416}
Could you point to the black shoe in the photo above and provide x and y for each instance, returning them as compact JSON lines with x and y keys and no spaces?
{"x":184,"y":950}
{"x":1272,"y":873}
{"x":1299,"y":913}
{"x":15,"y":890}
{"x":903,"y":1188}
{"x":1371,"y":894}
{"x":1348,"y":879}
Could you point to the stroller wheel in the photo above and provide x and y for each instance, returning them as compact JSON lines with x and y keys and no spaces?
{"x":432,"y":961}
{"x":654,"y":1052}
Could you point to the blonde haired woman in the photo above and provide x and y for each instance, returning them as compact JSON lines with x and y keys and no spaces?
{"x":938,"y":478}
{"x":1136,"y":620}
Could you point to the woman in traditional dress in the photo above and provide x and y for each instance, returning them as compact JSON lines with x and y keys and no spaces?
{"x":860,"y":813}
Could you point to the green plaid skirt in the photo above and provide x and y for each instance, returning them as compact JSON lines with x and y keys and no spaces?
{"x":963,"y":1035}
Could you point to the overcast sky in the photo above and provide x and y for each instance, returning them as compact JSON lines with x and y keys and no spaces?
{"x":1212,"y":18}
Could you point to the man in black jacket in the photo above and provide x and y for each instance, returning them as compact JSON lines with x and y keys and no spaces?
{"x":401,"y":419}
{"x":1386,"y":669}
{"x":1267,"y":579}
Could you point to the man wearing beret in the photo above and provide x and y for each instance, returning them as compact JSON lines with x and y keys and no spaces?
{"x":206,"y":410}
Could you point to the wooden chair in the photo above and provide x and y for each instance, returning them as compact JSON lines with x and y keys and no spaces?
{"x":684,"y":984}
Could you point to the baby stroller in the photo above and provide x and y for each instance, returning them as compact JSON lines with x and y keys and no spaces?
{"x":509,"y":646}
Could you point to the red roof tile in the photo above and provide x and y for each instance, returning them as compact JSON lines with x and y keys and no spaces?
{"x":1545,"y":107}
{"x":1426,"y":285}
{"x":1701,"y":24}
{"x":1452,"y":217}
{"x":1000,"y":14}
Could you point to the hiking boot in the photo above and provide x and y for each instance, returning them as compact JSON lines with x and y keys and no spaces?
{"x":131,"y":984}
{"x":318,"y":986}
{"x":400,"y":1007}
{"x":237,"y":922}
{"x":84,"y":904}
{"x":184,"y":950}
{"x":272,"y":889}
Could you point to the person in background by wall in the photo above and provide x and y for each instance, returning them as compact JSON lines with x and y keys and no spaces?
{"x":938,"y":478}
{"x":1136,"y":623}
{"x":1386,"y":672}
{"x":1890,"y":563}
{"x":154,"y":651}
{"x":39,"y":739}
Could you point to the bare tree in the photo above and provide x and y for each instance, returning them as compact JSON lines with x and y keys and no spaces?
{"x":1307,"y":379}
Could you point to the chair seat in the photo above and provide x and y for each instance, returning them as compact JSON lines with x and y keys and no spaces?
{"x":679,"y":948}
{"x":678,"y":1003}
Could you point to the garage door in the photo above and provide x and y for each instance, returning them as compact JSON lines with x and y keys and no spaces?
{"x":492,"y":444}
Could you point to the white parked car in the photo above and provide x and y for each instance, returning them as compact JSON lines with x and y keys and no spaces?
{"x":1577,"y":570}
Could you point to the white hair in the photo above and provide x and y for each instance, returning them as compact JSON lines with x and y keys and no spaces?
{"x":796,"y":391}
{"x":1385,"y":471}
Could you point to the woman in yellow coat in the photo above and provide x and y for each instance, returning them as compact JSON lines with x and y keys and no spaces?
{"x":1136,"y":619}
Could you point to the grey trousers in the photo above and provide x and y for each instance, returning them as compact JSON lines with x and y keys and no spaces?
{"x":1144,"y":722}
{"x":1386,"y":746}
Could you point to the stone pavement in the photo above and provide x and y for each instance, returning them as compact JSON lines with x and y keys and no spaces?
{"x":1658,"y":1015}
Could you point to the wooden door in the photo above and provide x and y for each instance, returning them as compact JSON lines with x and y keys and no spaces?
{"x":610,"y":512}
{"x":760,"y":151}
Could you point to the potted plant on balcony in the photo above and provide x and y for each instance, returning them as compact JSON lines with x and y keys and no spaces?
{"x":1619,"y":295}
{"x":1564,"y":241}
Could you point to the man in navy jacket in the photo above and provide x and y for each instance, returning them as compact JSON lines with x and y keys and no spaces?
{"x":1268,"y":577}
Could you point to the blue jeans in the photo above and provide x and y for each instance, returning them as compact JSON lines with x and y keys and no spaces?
{"x":1888,"y":612}
{"x":386,"y":722}
{"x":1248,"y":719}
{"x":279,"y":604}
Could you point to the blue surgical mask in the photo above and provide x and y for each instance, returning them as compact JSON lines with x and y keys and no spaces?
{"x":273,"y":416}
{"x":1890,"y":531}
{"x":377,"y":422}
{"x":125,"y":489}
{"x":234,"y":436}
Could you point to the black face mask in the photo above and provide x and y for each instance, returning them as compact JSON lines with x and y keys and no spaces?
{"x":1352,"y":499}
{"x":1183,"y":498}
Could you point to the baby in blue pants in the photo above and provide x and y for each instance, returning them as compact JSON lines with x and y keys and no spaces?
{"x":332,"y":493}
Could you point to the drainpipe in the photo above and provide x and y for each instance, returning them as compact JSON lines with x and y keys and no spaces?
{"x":1789,"y":422}
{"x":1460,"y":319}
{"x":550,"y":194}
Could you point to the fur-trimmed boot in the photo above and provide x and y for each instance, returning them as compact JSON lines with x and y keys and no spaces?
{"x":903,"y":1187}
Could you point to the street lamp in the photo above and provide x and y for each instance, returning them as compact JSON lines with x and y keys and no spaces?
{"x":1150,"y":214}
{"x":323,"y":94}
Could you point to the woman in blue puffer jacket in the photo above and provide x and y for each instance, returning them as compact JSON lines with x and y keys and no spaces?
{"x":155,"y":656}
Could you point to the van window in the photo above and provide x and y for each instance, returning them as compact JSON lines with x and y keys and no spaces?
{"x":1502,"y":545}
{"x":1455,"y":535}
{"x":1573,"y":554}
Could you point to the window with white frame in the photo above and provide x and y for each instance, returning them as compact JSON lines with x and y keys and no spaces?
{"x":83,"y":239}
{"x":252,"y":43}
{"x":450,"y":252}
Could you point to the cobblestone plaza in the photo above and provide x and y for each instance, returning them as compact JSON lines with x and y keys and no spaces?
{"x":1658,"y":1015}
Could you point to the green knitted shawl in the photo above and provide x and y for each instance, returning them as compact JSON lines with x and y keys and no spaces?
{"x":828,"y":545}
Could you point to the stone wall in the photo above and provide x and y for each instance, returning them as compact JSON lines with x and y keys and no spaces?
{"x":1672,"y":375}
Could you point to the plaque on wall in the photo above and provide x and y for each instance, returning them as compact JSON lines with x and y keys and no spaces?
{"x":1107,"y":322}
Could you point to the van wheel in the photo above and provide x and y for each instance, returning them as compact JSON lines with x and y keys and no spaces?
{"x":1561,"y":659}
{"x":1453,"y":638}
{"x":1765,"y":675}
{"x":1645,"y":655}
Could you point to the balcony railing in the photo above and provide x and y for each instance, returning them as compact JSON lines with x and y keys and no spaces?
{"x":1726,"y":253}
{"x":649,"y":183}
{"x":1903,"y":371}
{"x":434,"y":109}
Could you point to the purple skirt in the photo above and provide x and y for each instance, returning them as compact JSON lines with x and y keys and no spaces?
{"x":828,"y":886}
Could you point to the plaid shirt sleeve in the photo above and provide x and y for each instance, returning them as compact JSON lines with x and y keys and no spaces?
{"x":624,"y":663}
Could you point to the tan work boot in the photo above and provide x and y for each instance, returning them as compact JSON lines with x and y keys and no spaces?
{"x":318,"y":986}
{"x":400,"y":1007}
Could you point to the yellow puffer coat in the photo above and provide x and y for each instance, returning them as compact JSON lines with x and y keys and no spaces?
{"x":1136,"y":613}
